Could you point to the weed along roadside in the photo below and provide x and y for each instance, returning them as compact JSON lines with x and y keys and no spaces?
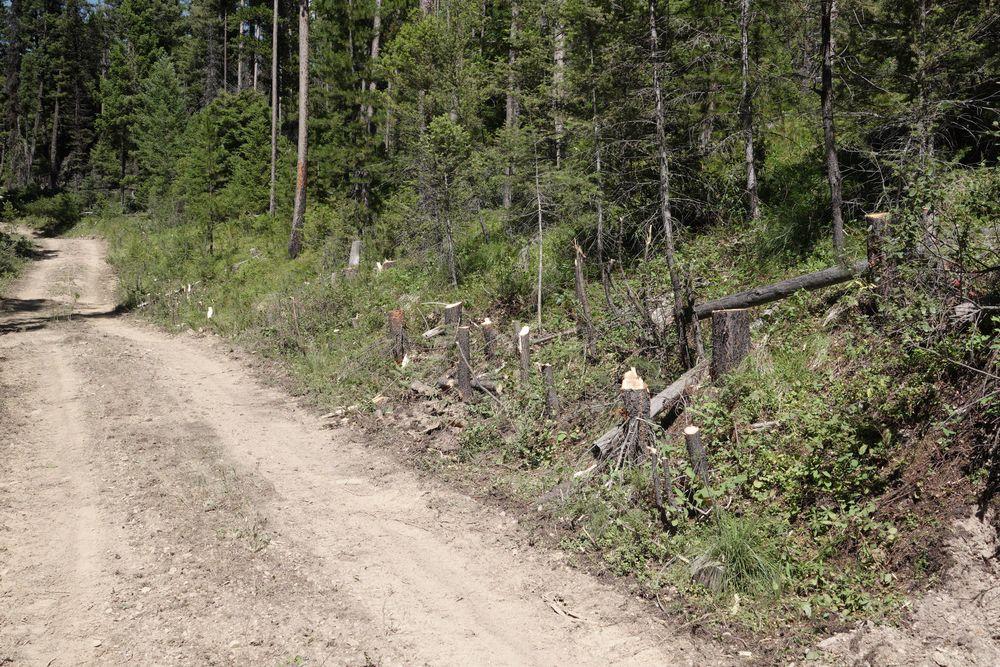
{"x":767,"y":492}
{"x":534,"y":329}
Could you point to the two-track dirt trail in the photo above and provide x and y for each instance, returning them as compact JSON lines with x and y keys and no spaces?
{"x":159,"y":505}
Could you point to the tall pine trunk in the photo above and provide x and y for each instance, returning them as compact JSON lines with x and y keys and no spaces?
{"x":558,"y":79}
{"x":746,"y":113}
{"x":54,"y":145}
{"x":829,"y":13}
{"x":274,"y":108}
{"x":666,"y":215}
{"x":511,"y":112}
{"x":376,"y":44}
{"x":298,"y":216}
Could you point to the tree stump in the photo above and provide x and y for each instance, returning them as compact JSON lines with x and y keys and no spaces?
{"x":730,"y":340}
{"x":353,"y":259}
{"x":524,"y":352}
{"x":880,"y":266}
{"x":464,"y":377}
{"x":638,"y":431}
{"x":551,"y":398}
{"x":489,"y":339}
{"x":397,"y":337}
{"x":453,"y":314}
{"x":696,"y":453}
{"x":585,"y":325}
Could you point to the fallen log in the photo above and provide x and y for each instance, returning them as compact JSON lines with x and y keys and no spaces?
{"x":477,"y":383}
{"x":768,"y":293}
{"x":663,"y":401}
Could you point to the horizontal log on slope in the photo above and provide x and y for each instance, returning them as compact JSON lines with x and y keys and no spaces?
{"x":768,"y":293}
{"x":658,"y":404}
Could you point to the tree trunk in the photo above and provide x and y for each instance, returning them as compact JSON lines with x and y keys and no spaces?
{"x":376,"y":37}
{"x":54,"y":145}
{"x":274,"y":108}
{"x":225,"y":51}
{"x":538,"y":202}
{"x":605,"y":277}
{"x":829,"y":13}
{"x":730,"y":340}
{"x":298,"y":216}
{"x":256,"y":56}
{"x":746,"y":113}
{"x":239,"y":50}
{"x":665,"y":212}
{"x":558,"y":79}
{"x":510,"y":120}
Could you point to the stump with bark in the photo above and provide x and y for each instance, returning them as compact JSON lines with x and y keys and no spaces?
{"x":634,"y":439}
{"x":696,"y":453}
{"x":551,"y":398}
{"x":397,"y":336}
{"x":489,"y":339}
{"x":881,"y":269}
{"x":453,"y":314}
{"x":464,"y":376}
{"x":353,"y":259}
{"x":524,"y":353}
{"x":730,"y":340}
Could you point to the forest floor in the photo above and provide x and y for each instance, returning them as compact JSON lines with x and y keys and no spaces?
{"x":159,"y":503}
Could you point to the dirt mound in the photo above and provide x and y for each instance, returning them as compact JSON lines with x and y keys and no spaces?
{"x":954,"y":625}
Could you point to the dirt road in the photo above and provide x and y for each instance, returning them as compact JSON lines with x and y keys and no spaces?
{"x":159,"y":505}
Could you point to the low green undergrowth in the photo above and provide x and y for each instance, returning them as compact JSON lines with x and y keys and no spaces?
{"x":817,"y":510}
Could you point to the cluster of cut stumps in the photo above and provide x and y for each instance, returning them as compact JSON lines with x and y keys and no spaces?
{"x":633,"y":440}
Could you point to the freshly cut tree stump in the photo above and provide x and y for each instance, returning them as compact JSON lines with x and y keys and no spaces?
{"x":353,"y":259}
{"x":881,"y":271}
{"x":551,"y":398}
{"x":453,"y":314}
{"x":637,"y":438}
{"x":659,"y":404}
{"x":730,"y":340}
{"x":696,"y":453}
{"x":489,"y":339}
{"x":464,"y":364}
{"x":524,"y":353}
{"x":397,"y":337}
